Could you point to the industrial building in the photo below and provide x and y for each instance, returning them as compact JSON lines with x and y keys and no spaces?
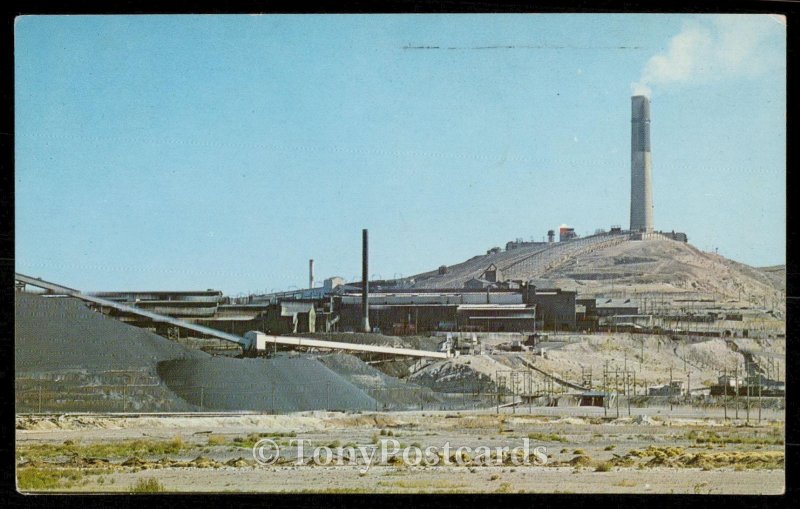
{"x":288,"y":317}
{"x":612,"y":307}
{"x":328,"y":286}
{"x":555,"y":307}
{"x":593,"y":312}
{"x":490,"y":307}
{"x":566,"y":233}
{"x":519,"y":243}
{"x":417,"y":312}
{"x":178,"y":304}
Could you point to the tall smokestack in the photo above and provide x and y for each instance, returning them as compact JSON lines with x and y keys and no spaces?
{"x":311,"y":273}
{"x":365,"y":281}
{"x":641,"y":171}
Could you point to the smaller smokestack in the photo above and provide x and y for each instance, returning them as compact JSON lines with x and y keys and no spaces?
{"x":365,"y":281}
{"x":311,"y":273}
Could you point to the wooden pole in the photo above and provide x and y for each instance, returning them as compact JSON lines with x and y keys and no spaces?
{"x":759,"y":398}
{"x":725,"y":394}
{"x":669,"y":389}
{"x":736,"y":390}
{"x":747,"y":410}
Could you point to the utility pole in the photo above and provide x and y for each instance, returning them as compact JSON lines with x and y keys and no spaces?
{"x":747,"y":368}
{"x":669,"y":389}
{"x":683,"y":347}
{"x":725,"y":394}
{"x":605,"y":388}
{"x":759,"y":398}
{"x":497,"y":390}
{"x":688,"y":386}
{"x":641,"y":353}
{"x":736,"y":389}
{"x":627,"y":395}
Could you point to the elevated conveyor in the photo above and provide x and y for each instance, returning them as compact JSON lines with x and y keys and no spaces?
{"x":252,"y":341}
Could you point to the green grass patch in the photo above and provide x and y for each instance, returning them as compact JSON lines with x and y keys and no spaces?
{"x":43,"y":479}
{"x":123,"y":449}
{"x":250,"y":440}
{"x":546,"y":437}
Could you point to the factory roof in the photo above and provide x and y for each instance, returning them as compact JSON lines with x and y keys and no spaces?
{"x":156,"y":292}
{"x":477,"y":307}
{"x":615,"y":303}
{"x":550,"y":291}
{"x":418,"y":293}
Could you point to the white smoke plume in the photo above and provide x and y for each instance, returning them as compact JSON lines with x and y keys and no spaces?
{"x":721,"y":47}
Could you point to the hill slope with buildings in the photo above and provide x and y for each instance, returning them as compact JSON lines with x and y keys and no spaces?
{"x":608,"y":265}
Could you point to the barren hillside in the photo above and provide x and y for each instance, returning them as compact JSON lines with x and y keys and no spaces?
{"x":606,"y":265}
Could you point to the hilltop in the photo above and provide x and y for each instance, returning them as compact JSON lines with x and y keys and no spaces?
{"x":604,"y":265}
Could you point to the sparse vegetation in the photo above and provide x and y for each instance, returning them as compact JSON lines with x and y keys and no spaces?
{"x":678,"y":457}
{"x":121,"y":449}
{"x":216,"y":440}
{"x":422,"y":484}
{"x":250,"y":440}
{"x":147,"y":485}
{"x":604,"y":466}
{"x":42,"y":479}
{"x":546,"y":437}
{"x":581,"y":461}
{"x":714,"y":437}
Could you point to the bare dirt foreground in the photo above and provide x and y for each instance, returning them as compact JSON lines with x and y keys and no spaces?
{"x":566,"y":454}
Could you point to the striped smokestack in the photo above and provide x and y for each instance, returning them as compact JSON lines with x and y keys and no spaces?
{"x":641,"y":172}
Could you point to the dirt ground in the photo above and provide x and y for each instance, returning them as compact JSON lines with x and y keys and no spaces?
{"x":579,"y":453}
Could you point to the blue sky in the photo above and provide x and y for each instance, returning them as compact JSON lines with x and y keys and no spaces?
{"x":192,"y":152}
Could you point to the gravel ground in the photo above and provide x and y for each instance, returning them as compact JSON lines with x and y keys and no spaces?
{"x":575,"y":448}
